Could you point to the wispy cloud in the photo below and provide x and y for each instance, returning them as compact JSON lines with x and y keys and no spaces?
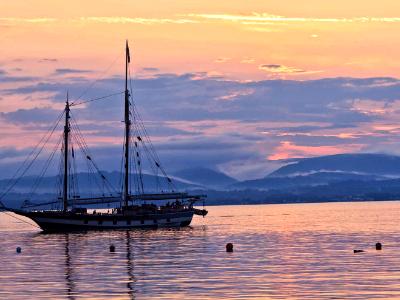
{"x":281,"y":70}
{"x":253,"y":19}
{"x":376,"y":108}
{"x":376,"y":83}
{"x":63,"y":71}
{"x":101,"y":19}
{"x":147,"y":21}
{"x":223,"y":59}
{"x":28,"y":20}
{"x":273,"y":68}
{"x":35,"y":115}
{"x":287,"y":149}
{"x":262,"y":18}
{"x":262,"y":29}
{"x":235,"y":95}
{"x":48,"y":60}
{"x":150,"y":69}
{"x":248,"y":60}
{"x":5,"y":77}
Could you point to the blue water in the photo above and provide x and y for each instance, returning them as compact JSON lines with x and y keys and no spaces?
{"x":299,"y":251}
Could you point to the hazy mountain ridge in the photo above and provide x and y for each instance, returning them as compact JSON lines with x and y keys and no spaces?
{"x":314,"y":179}
{"x":205,"y":177}
{"x":345,"y":177}
{"x":88,"y":183}
{"x":324,"y":170}
{"x":367,"y":164}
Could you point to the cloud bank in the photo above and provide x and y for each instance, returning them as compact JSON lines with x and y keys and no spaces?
{"x":235,"y":126}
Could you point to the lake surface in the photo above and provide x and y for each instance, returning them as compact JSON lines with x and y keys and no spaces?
{"x":292,"y":251}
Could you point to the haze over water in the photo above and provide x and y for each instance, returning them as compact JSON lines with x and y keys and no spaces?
{"x":293,"y":251}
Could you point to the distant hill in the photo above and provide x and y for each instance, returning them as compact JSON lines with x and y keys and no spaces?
{"x":325,"y":170}
{"x":345,"y":177}
{"x":314,"y":179}
{"x":89,"y":183}
{"x":205,"y":177}
{"x":361,"y":164}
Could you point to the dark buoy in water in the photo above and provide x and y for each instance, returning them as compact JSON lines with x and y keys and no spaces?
{"x":229,"y":247}
{"x":358,"y":251}
{"x":378,"y":246}
{"x":18,"y":250}
{"x":112,"y":248}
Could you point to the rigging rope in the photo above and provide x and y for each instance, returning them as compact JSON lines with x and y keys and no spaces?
{"x":101,"y":76}
{"x":85,"y":150}
{"x":45,"y":141}
{"x":45,"y":167}
{"x":95,"y":99}
{"x":151,"y":148}
{"x":141,"y":131}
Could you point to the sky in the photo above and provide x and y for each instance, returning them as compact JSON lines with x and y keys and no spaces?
{"x":238,"y":86}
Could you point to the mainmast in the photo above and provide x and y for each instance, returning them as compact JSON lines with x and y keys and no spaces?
{"x":66,"y":138}
{"x":127,"y":127}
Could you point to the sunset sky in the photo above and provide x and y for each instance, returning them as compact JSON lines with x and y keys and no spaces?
{"x":231,"y":85}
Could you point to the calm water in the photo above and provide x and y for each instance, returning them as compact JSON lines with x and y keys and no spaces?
{"x":299,"y":251}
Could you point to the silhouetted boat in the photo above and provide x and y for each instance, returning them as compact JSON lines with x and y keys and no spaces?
{"x":136,"y":210}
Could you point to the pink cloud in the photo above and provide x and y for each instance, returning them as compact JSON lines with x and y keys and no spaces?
{"x":235,"y":94}
{"x":287,"y":149}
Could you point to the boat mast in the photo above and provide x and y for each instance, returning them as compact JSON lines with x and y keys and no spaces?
{"x":66,"y":133}
{"x":127,"y":127}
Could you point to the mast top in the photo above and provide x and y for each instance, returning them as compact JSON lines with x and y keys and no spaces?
{"x":128,"y":57}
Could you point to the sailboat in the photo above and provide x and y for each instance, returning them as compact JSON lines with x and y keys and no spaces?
{"x":135,"y":210}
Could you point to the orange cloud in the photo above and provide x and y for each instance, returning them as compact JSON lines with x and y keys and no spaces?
{"x":146,"y":21}
{"x":287,"y":150}
{"x":265,"y":17}
{"x":248,"y":60}
{"x":273,"y":68}
{"x":222,"y":59}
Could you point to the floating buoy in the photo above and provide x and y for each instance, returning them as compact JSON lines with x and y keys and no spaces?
{"x":378,"y":246}
{"x":112,"y":248}
{"x":358,"y":251}
{"x":229,"y":247}
{"x":18,"y":250}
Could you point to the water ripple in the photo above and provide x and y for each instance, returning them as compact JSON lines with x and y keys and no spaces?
{"x":280,"y":252}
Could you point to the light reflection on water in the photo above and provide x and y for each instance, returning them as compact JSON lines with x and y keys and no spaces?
{"x":299,"y":251}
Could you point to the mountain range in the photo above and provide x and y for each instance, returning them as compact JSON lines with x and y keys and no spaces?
{"x":325,"y":178}
{"x":206,"y":178}
{"x":327,"y":169}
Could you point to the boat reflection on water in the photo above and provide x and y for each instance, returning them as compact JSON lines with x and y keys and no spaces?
{"x":68,"y":270}
{"x":299,"y":251}
{"x":80,"y":265}
{"x":129,"y":266}
{"x":73,"y":242}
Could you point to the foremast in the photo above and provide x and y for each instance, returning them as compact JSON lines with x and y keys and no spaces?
{"x":127,"y":128}
{"x":66,"y":138}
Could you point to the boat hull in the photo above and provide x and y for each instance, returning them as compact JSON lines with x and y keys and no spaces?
{"x":62,"y":222}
